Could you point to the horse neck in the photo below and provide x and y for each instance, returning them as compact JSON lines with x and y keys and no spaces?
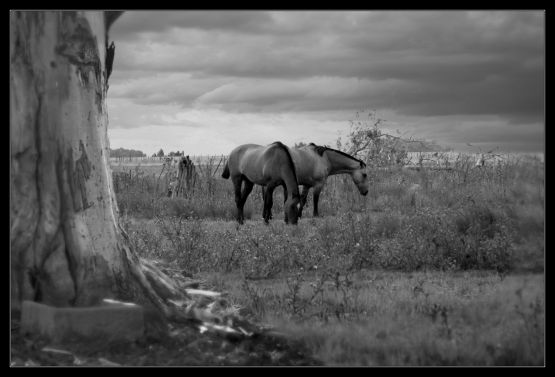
{"x":340,"y":164}
{"x":291,"y":183}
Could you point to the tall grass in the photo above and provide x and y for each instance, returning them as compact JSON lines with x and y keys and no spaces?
{"x":414,"y":273}
{"x":384,"y":318}
{"x":465,"y":218}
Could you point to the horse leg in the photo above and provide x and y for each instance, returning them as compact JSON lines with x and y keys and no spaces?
{"x":270,"y":216}
{"x":237,"y":181}
{"x":247,"y":188}
{"x":316,"y":196}
{"x":304,"y":195}
{"x":264,"y":207}
{"x":268,"y":202}
{"x":285,"y":217}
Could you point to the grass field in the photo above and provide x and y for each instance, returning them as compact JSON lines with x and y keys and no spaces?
{"x":432,"y":267}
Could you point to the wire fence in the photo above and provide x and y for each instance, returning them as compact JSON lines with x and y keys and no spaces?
{"x":197,"y":159}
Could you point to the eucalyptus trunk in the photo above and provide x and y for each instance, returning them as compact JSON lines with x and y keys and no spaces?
{"x":67,"y":248}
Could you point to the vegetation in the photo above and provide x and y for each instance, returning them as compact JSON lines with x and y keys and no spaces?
{"x":176,"y":154}
{"x":433,"y":267}
{"x":368,"y":141}
{"x":122,"y":152}
{"x":485,"y":218}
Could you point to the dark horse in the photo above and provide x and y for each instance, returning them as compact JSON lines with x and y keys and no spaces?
{"x":269,"y":166}
{"x":313,"y":165}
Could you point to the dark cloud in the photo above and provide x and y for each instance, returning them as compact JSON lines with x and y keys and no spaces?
{"x":415,"y":63}
{"x":451,"y":32}
{"x":132,"y":23}
{"x":180,"y":89}
{"x":509,"y":98}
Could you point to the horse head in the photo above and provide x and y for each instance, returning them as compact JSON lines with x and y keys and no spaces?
{"x":292,"y":208}
{"x":360,"y":179}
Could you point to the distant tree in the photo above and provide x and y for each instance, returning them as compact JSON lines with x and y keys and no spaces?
{"x":368,"y":141}
{"x":300,"y":144}
{"x":122,"y":152}
{"x":160,"y":153}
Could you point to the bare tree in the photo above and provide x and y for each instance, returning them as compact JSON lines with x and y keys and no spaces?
{"x":368,"y":141}
{"x":67,"y":247}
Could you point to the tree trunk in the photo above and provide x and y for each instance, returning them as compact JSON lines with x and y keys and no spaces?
{"x":67,"y":248}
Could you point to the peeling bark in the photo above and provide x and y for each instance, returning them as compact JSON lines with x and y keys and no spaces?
{"x":66,"y":245}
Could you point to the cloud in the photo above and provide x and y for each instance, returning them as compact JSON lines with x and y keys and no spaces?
{"x":222,"y":131}
{"x":436,"y":63}
{"x":167,"y":88}
{"x":413,"y":64}
{"x":128,"y":115}
{"x":284,"y":39}
{"x":515,"y":99}
{"x":311,"y":94}
{"x":135,"y":22}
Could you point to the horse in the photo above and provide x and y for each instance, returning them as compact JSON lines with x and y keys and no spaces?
{"x":315,"y":163}
{"x":269,"y":166}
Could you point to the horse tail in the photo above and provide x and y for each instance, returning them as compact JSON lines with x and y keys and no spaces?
{"x":225,"y":174}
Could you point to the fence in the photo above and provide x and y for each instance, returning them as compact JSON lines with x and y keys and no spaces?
{"x":143,"y":188}
{"x":165,"y":175}
{"x":197,"y":159}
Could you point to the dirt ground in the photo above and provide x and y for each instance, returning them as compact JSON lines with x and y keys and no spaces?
{"x":182,"y":345}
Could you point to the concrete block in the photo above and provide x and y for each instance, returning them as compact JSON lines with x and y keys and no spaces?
{"x":113,"y":320}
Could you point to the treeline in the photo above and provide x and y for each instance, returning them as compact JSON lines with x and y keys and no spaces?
{"x":122,"y":152}
{"x":171,"y":154}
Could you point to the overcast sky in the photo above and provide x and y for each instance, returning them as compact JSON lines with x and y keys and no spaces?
{"x":206,"y":81}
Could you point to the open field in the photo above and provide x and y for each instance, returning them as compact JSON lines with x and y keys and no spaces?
{"x":432,"y":267}
{"x":394,"y":318}
{"x":412,"y":156}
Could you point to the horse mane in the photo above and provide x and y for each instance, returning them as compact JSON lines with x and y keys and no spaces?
{"x":320,"y":149}
{"x":279,"y":144}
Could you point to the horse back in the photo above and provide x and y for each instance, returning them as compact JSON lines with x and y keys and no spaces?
{"x":260,"y":164}
{"x":247,"y":160}
{"x":311,"y":168}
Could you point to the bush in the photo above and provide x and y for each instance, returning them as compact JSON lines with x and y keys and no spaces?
{"x":437,"y":239}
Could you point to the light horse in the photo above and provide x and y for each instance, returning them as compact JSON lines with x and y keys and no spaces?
{"x":269,"y":166}
{"x":314,"y":164}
